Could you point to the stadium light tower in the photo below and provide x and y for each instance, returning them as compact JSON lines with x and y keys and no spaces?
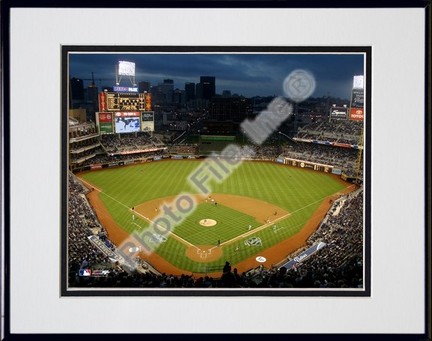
{"x":359,"y":156}
{"x":289,"y":138}
{"x":124,"y":68}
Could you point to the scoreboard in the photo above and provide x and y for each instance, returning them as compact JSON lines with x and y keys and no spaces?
{"x":124,"y":112}
{"x":118,"y":101}
{"x":125,"y":122}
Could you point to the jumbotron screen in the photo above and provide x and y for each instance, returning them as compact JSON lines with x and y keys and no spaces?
{"x":127,"y":122}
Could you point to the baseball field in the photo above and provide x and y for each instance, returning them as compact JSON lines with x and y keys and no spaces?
{"x":262,"y":209}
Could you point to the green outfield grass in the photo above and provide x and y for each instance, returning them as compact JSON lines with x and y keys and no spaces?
{"x":230,"y":223}
{"x":296,"y":190}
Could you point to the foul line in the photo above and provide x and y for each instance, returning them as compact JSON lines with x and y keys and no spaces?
{"x":170,"y":232}
{"x":90,"y":185}
{"x":143,"y":217}
{"x":257,"y":229}
{"x":262,"y":227}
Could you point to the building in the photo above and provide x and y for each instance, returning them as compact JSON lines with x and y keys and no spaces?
{"x":179,"y":97}
{"x":76,"y":89}
{"x":206,"y":88}
{"x":144,"y":86}
{"x":235,"y":109}
{"x":167,"y":90}
{"x":226,"y":93}
{"x":190,"y":91}
{"x":226,"y":114}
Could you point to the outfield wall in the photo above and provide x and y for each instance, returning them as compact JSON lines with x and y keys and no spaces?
{"x":281,"y":160}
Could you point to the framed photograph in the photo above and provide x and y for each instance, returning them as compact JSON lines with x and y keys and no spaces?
{"x":221,"y":204}
{"x":270,"y":156}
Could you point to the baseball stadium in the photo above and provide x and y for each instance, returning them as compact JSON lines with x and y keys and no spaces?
{"x":207,"y":208}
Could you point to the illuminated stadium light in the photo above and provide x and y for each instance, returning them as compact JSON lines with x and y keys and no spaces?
{"x":125,"y":68}
{"x":358,"y":82}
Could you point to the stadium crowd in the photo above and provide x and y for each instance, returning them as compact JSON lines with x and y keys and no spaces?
{"x":118,"y":142}
{"x":111,"y":148}
{"x":82,"y":223}
{"x":189,"y":149}
{"x":340,"y":263}
{"x":111,"y":159}
{"x":84,"y":144}
{"x":140,"y":146}
{"x":341,"y":131}
{"x":82,"y":130}
{"x":86,"y":155}
{"x":334,"y":156}
{"x":266,"y":152}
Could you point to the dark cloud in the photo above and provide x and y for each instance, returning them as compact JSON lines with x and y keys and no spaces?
{"x":247,"y":74}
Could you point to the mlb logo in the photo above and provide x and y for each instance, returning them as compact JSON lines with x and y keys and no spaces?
{"x":85,"y":272}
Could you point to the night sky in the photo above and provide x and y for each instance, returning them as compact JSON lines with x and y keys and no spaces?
{"x":245,"y":74}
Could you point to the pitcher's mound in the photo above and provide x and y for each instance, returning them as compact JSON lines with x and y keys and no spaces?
{"x":208,"y":222}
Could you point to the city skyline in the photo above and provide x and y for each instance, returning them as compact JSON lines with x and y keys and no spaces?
{"x":254,"y":74}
